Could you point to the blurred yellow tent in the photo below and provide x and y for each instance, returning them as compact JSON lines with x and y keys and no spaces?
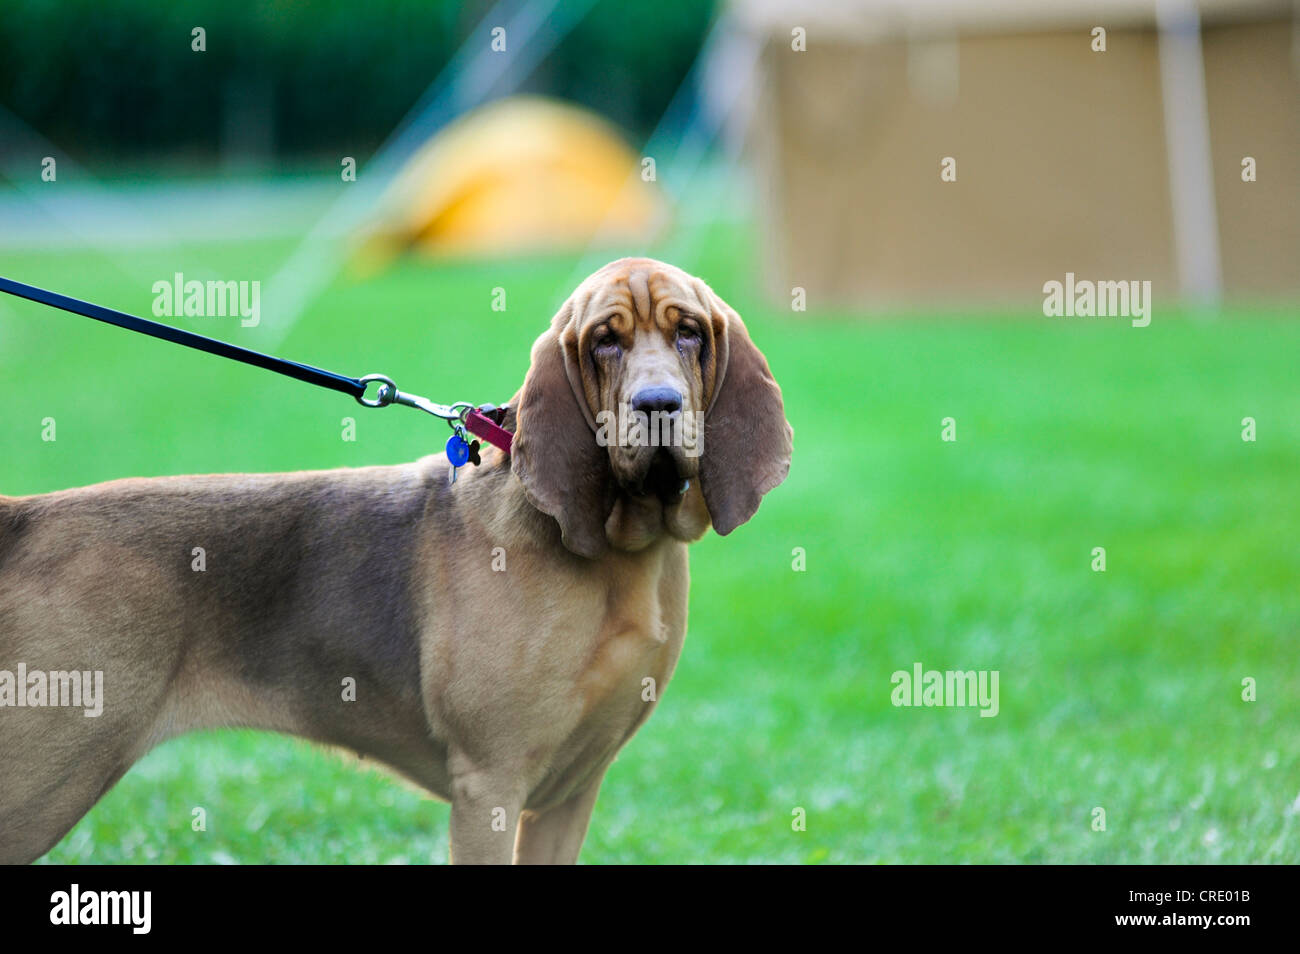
{"x":519,"y":174}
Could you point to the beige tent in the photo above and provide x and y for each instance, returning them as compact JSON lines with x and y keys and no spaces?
{"x":1125,"y":164}
{"x":520,"y":174}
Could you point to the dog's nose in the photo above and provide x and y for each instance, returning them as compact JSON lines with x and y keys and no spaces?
{"x":664,"y":400}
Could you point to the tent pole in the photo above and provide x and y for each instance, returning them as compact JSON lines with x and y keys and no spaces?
{"x":1187,"y":143}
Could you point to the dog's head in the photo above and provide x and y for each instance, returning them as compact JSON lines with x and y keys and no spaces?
{"x":646,"y":403}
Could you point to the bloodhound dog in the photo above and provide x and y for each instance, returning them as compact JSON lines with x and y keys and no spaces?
{"x":496,"y":640}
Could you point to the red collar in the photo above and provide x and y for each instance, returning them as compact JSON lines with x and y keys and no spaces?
{"x":486,"y":423}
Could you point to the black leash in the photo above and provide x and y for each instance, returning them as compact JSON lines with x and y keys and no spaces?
{"x":463,"y":416}
{"x":302,"y":372}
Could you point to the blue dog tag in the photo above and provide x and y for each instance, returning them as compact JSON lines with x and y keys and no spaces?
{"x":457,"y":451}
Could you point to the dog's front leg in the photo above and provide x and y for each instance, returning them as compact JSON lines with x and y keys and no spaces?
{"x":554,"y":836}
{"x":485,"y":807}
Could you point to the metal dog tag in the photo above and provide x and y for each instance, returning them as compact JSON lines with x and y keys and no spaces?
{"x":457,"y":451}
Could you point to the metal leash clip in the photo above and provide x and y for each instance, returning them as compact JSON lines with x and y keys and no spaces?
{"x":461,"y":448}
{"x":389,"y":394}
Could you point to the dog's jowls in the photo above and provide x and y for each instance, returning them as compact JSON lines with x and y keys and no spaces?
{"x":501,"y":630}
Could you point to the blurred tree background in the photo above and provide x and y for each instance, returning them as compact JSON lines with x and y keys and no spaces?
{"x":295,"y":81}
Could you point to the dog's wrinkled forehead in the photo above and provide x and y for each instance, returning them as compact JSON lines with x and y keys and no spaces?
{"x":636,"y":292}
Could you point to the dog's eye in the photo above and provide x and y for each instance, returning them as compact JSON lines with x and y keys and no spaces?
{"x":605,"y":344}
{"x":686,"y":334}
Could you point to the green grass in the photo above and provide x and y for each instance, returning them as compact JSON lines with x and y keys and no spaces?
{"x":1119,"y":690}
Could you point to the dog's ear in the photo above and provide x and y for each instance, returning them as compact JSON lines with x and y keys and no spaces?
{"x":554,"y":454}
{"x":747,"y":440}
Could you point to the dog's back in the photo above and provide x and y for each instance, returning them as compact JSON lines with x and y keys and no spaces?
{"x":184,"y":595}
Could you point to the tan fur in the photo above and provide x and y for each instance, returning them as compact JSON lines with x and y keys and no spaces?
{"x":507,"y":693}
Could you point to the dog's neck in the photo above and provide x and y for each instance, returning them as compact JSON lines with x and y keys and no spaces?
{"x":634,"y":523}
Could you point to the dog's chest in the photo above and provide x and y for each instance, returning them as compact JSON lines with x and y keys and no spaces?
{"x":621,"y":652}
{"x":632,"y":660}
{"x":614,"y":691}
{"x":545,"y":670}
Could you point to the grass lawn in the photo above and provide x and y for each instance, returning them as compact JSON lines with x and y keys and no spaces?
{"x":1119,"y":690}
